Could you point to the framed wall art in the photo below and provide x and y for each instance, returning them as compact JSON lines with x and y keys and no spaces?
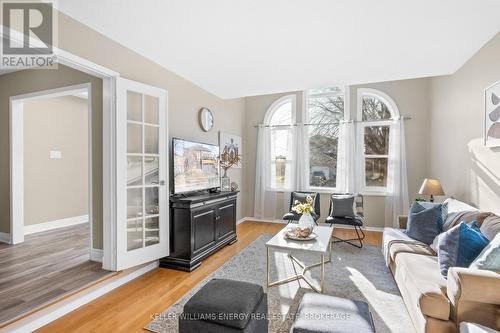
{"x":492,"y":115}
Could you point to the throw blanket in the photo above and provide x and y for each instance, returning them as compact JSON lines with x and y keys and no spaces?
{"x":392,"y":236}
{"x":466,"y":216}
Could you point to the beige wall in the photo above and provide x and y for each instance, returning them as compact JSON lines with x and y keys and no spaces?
{"x":412,"y":99}
{"x":185,"y":99}
{"x":55,"y":188}
{"x":468,"y":170}
{"x":29,"y":81}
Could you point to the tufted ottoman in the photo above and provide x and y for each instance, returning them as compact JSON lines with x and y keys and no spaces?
{"x":226,"y":306}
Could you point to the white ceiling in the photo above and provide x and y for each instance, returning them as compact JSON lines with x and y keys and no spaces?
{"x":236,"y":48}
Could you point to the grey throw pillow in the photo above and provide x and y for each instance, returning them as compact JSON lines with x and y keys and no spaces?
{"x":425,"y":221}
{"x":343,"y":206}
{"x":460,"y":246}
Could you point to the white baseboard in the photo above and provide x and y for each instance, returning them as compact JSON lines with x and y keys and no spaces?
{"x":45,"y":226}
{"x":4,"y":237}
{"x":96,"y":255}
{"x":59,"y":309}
{"x":378,"y":229}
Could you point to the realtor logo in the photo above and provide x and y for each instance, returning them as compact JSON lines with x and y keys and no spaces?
{"x":28,"y":35}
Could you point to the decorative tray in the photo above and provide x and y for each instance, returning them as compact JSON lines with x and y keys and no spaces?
{"x":310,"y":237}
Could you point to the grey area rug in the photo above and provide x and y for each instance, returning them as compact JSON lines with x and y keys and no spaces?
{"x":358,"y":274}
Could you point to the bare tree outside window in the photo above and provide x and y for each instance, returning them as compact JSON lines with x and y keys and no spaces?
{"x":376,"y":141}
{"x":325,"y":109}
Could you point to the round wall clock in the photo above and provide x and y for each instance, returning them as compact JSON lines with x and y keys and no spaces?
{"x":206,"y":119}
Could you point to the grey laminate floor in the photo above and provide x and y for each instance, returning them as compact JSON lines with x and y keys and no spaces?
{"x":46,"y":267}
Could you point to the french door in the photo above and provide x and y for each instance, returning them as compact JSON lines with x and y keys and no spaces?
{"x":142,"y":175}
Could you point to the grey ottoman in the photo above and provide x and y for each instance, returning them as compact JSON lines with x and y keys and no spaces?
{"x":328,"y":314}
{"x":226,"y":306}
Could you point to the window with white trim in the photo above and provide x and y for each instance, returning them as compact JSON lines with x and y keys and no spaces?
{"x":280,"y":119}
{"x":375,"y":113}
{"x":324,"y":110}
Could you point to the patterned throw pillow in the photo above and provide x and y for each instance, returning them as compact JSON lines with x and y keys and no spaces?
{"x":425,"y":221}
{"x":459,"y":246}
{"x":489,"y":258}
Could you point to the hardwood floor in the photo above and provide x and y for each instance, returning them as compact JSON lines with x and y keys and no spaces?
{"x":44,"y":268}
{"x":130,"y":307}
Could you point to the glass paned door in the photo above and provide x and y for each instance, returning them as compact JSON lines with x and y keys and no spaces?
{"x":142,"y":203}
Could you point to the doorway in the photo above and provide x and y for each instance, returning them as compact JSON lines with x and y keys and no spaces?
{"x":51,"y":160}
{"x":51,"y":254}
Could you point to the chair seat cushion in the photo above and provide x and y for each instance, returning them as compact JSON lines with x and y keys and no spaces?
{"x":424,"y":284}
{"x":323,"y":313}
{"x":344,"y":220}
{"x":291,"y":216}
{"x":295,"y":217}
{"x":221,"y":296}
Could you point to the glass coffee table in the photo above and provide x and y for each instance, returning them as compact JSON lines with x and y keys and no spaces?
{"x":321,"y":246}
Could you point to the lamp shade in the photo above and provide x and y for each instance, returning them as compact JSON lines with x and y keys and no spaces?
{"x":431,"y":187}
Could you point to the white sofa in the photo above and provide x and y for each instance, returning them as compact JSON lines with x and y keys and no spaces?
{"x":437,"y":304}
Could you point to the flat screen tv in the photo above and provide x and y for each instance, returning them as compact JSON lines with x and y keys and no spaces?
{"x":195,"y":166}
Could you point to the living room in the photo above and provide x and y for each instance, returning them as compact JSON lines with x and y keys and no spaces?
{"x":242,"y":181}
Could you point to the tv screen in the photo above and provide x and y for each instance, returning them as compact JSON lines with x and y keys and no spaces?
{"x":196,"y":166}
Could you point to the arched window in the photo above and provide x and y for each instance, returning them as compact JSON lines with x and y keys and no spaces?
{"x":279,"y":119}
{"x":376,"y":112}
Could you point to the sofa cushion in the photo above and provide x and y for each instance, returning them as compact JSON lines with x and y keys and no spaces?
{"x":475,"y":328}
{"x":459,"y":246}
{"x":424,"y":284}
{"x":410,"y":247}
{"x":425,"y":221}
{"x":455,"y":205}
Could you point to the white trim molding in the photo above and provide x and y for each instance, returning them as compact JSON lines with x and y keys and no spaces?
{"x":96,"y":255}
{"x":61,"y":223}
{"x":5,"y":237}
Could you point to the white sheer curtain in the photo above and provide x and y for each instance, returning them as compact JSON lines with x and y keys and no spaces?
{"x":300,"y":167}
{"x":396,"y":201}
{"x":265,"y":200}
{"x":346,"y":166}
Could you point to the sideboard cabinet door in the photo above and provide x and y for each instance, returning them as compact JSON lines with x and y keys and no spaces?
{"x":226,"y":219}
{"x":204,"y":226}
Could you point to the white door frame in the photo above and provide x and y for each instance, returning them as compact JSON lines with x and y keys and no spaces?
{"x":109,"y":140}
{"x":17,"y":154}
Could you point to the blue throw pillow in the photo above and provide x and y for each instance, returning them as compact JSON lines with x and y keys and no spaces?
{"x":459,"y":246}
{"x":425,"y":221}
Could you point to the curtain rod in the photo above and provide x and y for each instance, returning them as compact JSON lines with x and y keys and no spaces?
{"x":336,"y":122}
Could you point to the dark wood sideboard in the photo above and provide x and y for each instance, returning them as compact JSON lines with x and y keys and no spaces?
{"x":199,"y":226}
